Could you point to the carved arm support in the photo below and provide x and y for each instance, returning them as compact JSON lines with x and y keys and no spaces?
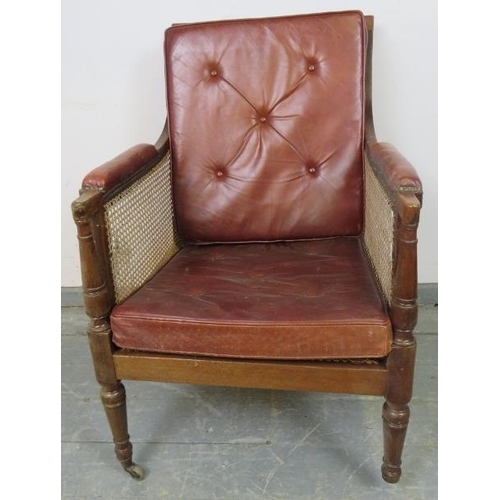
{"x":404,"y":310}
{"x":97,"y":295}
{"x":87,"y":213}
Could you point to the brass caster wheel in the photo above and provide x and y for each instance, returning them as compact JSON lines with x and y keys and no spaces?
{"x":136,"y":471}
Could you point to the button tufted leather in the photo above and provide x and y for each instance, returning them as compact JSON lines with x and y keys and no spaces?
{"x":268,"y":100}
{"x":296,"y":300}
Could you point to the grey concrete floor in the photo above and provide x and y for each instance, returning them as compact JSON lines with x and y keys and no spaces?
{"x":198,"y":442}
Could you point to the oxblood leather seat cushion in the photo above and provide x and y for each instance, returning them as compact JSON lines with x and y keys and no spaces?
{"x":297,"y":300}
{"x":266,"y":127}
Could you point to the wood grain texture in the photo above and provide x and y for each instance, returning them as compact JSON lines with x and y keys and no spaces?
{"x":320,"y":376}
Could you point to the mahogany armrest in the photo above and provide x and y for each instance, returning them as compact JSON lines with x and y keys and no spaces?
{"x":118,"y":171}
{"x":393,"y":169}
{"x":124,"y":168}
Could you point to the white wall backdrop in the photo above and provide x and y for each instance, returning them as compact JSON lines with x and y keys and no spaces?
{"x":113,"y":88}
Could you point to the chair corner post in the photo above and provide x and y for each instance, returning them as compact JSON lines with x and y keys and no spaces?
{"x":401,"y":359}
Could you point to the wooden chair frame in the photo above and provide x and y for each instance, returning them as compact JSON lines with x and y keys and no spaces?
{"x":391,"y":377}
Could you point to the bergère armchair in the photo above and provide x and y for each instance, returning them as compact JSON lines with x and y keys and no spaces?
{"x":267,"y":240}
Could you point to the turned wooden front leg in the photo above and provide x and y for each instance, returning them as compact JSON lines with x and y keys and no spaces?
{"x":396,"y":412}
{"x":114,"y":401}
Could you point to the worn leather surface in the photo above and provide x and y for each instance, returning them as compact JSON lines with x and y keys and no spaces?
{"x":266,"y":127}
{"x":112,"y":173}
{"x":295,"y":300}
{"x":396,"y":171}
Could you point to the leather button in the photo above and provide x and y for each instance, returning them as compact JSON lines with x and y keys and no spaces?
{"x":312,"y":170}
{"x":263,"y":119}
{"x":311,"y":67}
{"x":219,"y":173}
{"x":214,"y":72}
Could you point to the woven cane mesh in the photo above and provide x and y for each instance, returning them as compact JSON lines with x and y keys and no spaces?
{"x":141,"y":234}
{"x":378,"y":234}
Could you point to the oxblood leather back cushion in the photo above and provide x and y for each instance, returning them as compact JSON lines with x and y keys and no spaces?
{"x":266,"y":126}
